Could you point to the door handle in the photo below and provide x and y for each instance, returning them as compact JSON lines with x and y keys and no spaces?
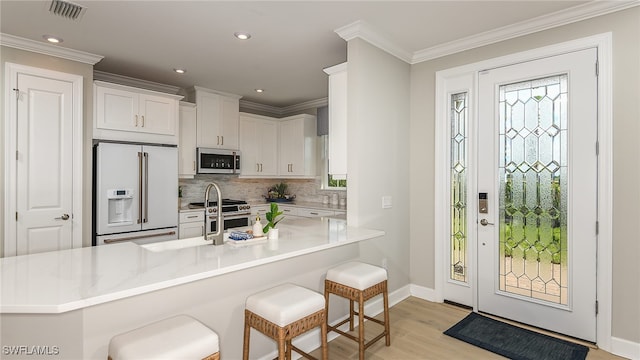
{"x":63,"y":217}
{"x":484,"y":222}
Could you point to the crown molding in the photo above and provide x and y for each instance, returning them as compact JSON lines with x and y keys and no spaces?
{"x":282,"y":111}
{"x":360,"y":29}
{"x":559,"y":18}
{"x":48,"y":49}
{"x":138,"y":83}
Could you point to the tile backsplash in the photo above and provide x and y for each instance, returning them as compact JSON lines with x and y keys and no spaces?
{"x":251,"y":190}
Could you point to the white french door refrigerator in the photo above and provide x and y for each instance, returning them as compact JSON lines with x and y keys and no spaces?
{"x":135,"y":192}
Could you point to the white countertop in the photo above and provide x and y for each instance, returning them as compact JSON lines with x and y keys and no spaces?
{"x":60,"y":281}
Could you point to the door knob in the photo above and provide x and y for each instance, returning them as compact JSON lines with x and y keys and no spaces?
{"x":484,"y":222}
{"x":63,"y":217}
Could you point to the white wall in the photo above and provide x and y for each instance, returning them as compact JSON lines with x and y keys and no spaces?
{"x":378,"y":154}
{"x":625,"y":27}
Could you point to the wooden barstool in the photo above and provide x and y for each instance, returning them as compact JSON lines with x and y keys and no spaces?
{"x":282,"y":313}
{"x":357,"y":281}
{"x":179,"y":337}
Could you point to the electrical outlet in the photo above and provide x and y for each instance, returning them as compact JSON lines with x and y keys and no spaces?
{"x":384,"y":263}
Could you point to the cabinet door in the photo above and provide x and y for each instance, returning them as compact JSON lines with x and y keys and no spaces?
{"x":187,"y":144}
{"x":292,"y":147}
{"x":268,"y":148}
{"x":229,"y":116}
{"x":208,"y":110}
{"x":116,"y":109}
{"x":249,"y":147}
{"x":157,"y":115}
{"x":314,"y":212}
{"x":189,"y":230}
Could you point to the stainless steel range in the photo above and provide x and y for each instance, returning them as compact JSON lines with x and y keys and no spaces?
{"x":235,"y":213}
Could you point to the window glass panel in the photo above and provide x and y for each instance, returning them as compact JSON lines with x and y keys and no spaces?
{"x":458,"y":173}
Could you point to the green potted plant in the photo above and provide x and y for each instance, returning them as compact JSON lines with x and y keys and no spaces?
{"x":272,"y":221}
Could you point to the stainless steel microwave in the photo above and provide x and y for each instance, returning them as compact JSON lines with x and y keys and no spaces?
{"x":218,"y":161}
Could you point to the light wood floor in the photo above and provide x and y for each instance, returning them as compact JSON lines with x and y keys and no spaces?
{"x":416,"y":333}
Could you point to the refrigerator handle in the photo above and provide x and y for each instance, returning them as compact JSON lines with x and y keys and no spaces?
{"x":139,"y":187}
{"x":146,"y":188}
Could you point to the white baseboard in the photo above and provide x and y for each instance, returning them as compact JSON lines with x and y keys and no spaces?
{"x":423,"y":293}
{"x":625,"y":348}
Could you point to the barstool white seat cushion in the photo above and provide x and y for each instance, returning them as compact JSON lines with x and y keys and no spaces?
{"x":285,"y":303}
{"x":179,"y":337}
{"x":357,"y":275}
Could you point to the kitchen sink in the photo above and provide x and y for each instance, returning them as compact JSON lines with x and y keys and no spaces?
{"x":176,"y":244}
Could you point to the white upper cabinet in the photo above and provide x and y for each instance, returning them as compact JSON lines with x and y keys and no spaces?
{"x":337,"y":120}
{"x":132,"y":114}
{"x":217,"y":118}
{"x":297,"y":146}
{"x":187,"y":144}
{"x":258,"y":145}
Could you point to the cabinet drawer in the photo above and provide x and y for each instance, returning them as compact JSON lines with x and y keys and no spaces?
{"x":287,"y":210}
{"x":191,"y":216}
{"x":314,"y":212}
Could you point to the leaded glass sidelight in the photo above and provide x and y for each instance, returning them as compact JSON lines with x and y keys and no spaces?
{"x":458,"y":174}
{"x":533,"y":189}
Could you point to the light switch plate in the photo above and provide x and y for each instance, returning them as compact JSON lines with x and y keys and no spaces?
{"x":386,"y":202}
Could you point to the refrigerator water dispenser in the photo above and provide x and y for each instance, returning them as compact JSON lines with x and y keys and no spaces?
{"x":120,"y":206}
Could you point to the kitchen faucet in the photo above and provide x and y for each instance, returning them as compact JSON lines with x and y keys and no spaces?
{"x":218,"y":236}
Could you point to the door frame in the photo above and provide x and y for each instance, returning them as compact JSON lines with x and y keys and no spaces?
{"x":11,"y":72}
{"x":603,"y":43}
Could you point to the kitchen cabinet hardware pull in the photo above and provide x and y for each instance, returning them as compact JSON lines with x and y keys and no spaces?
{"x":146,"y":187}
{"x":257,"y":167}
{"x":111,"y":241}
{"x":142,"y":120}
{"x":192,"y":216}
{"x":313,"y":213}
{"x":222,"y":140}
{"x":139,"y":186}
{"x":260,"y":167}
{"x":218,"y":139}
{"x":136,"y":120}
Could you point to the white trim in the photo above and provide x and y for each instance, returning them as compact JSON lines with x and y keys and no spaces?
{"x":11,"y":75}
{"x":137,"y":83}
{"x":282,"y":111}
{"x":48,"y":49}
{"x":424,"y":293}
{"x":603,"y":42}
{"x":625,"y":348}
{"x":360,"y":29}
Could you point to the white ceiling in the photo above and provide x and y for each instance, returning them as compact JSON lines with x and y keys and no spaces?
{"x":292,"y":41}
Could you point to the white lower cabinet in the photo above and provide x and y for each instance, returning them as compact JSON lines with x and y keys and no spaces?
{"x":291,"y":212}
{"x":314,"y":212}
{"x":191,"y":223}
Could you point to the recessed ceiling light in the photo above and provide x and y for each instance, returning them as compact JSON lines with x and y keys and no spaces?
{"x":52,"y":39}
{"x":259,"y":90}
{"x":242,"y":35}
{"x":180,"y":71}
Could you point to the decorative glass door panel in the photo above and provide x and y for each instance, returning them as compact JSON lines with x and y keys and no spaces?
{"x":537,"y":170}
{"x":458,"y":205}
{"x":533,"y":188}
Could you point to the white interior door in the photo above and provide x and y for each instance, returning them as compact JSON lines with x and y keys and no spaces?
{"x":537,"y":165}
{"x":44,"y":165}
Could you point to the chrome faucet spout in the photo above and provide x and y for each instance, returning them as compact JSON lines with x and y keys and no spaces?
{"x":218,"y":235}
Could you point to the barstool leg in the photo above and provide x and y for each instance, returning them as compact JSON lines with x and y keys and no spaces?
{"x":282,"y":348}
{"x":247,"y":333}
{"x":361,"y":324}
{"x":351,"y":315}
{"x":323,"y":337}
{"x":385,"y":297}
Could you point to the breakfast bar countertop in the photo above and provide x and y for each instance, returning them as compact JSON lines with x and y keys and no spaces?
{"x":61,"y":281}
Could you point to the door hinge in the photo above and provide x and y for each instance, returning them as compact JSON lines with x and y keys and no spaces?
{"x":597,"y":147}
{"x":597,"y":307}
{"x":597,"y":68}
{"x":597,"y":227}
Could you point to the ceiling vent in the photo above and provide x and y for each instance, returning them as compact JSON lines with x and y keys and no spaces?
{"x":66,"y":9}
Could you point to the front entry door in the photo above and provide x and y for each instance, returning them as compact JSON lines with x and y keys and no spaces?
{"x":537,"y":168}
